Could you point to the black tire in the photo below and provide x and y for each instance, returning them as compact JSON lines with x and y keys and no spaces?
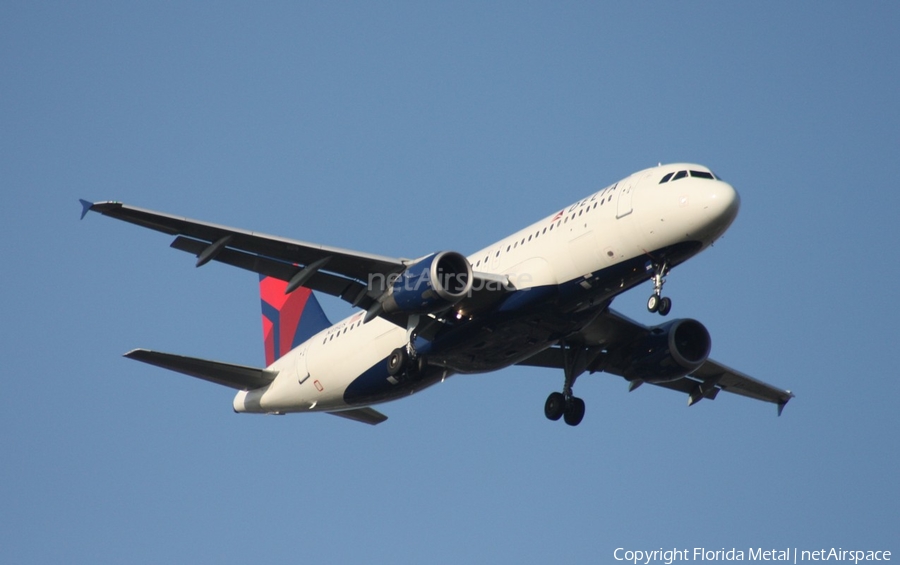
{"x":574,"y":411}
{"x":397,"y":361}
{"x":555,"y":406}
{"x":653,"y":303}
{"x":421,"y":364}
{"x":665,"y":305}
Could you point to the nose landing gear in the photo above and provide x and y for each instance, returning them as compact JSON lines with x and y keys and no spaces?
{"x":658,"y":303}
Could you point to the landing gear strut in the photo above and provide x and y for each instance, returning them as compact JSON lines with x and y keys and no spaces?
{"x":565,"y":404}
{"x":657,"y":302}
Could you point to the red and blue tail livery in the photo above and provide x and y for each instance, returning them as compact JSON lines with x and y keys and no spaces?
{"x":288,"y":319}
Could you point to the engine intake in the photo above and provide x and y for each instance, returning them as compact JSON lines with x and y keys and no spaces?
{"x":435,"y":283}
{"x":670,"y":351}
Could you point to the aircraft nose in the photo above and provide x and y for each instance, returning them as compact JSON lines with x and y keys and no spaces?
{"x":724,"y":201}
{"x":720,"y":205}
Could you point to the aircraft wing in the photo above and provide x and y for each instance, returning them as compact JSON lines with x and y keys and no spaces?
{"x":612,"y":331}
{"x":355,"y":277}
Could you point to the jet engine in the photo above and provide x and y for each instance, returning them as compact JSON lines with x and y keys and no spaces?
{"x":435,"y":283}
{"x":669,"y":352}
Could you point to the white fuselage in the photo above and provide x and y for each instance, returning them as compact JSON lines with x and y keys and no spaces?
{"x":631,"y":219}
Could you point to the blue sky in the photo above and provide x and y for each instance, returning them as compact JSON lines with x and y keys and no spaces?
{"x":406,"y":128}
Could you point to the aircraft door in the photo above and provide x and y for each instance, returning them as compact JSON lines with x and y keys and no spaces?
{"x":301,"y":365}
{"x":623,"y":202}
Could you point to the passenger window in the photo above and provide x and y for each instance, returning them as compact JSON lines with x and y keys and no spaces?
{"x":679,"y":175}
{"x":666,"y":178}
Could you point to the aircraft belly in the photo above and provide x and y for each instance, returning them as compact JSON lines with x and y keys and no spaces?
{"x":536,"y":318}
{"x":375,"y":385}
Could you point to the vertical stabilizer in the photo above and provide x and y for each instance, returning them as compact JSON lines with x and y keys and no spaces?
{"x":288,"y":319}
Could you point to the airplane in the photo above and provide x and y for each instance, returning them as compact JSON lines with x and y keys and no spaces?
{"x":539,"y":297}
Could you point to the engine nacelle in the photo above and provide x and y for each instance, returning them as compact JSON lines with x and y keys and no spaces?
{"x":669,"y":352}
{"x":433,"y":284}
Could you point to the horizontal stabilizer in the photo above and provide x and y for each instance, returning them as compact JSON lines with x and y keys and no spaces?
{"x":225,"y":374}
{"x":364,"y":415}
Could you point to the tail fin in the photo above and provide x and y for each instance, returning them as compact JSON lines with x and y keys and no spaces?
{"x":288,"y":319}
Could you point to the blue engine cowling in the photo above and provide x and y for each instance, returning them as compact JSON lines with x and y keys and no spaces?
{"x":669,"y":352}
{"x":435,"y":283}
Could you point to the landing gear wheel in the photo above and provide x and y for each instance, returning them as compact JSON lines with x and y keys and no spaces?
{"x":397,"y":361}
{"x":653,"y":302}
{"x":574,"y":411}
{"x":665,"y":305}
{"x":555,"y":406}
{"x":421,"y":363}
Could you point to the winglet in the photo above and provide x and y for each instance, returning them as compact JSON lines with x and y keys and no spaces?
{"x":85,"y":207}
{"x":783,"y":403}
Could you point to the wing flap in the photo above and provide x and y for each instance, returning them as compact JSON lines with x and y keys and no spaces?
{"x":348,"y":263}
{"x":731,"y":380}
{"x":334,"y":285}
{"x":226,"y":374}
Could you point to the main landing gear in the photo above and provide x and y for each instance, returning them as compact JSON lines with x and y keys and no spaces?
{"x":657,"y":302}
{"x":400,"y":364}
{"x":406,"y":360}
{"x":565,"y":404}
{"x":558,"y":405}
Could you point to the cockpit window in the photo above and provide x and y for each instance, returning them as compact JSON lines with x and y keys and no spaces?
{"x":682,"y":174}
